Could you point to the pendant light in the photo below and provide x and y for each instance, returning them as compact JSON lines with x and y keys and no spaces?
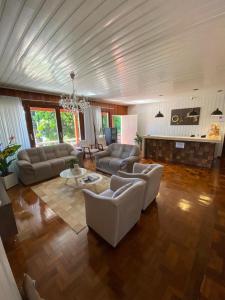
{"x":217,"y":112}
{"x":159,"y":115}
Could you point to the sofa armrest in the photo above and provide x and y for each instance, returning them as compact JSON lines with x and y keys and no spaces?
{"x":101,"y":154}
{"x":24,"y":164}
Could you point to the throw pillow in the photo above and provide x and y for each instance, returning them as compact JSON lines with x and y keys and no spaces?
{"x":121,"y":189}
{"x":29,"y":289}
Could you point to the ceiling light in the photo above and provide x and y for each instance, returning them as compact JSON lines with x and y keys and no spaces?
{"x":159,"y":115}
{"x":217,"y":112}
{"x":73,"y":102}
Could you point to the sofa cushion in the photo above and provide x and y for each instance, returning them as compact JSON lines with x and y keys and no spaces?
{"x":57,"y":165}
{"x":108,"y":193}
{"x":36,"y":155}
{"x":42,"y":170}
{"x":122,"y":189}
{"x":50,"y":152}
{"x":63,"y":150}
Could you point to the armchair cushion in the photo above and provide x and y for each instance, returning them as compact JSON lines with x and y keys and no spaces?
{"x":121,"y":190}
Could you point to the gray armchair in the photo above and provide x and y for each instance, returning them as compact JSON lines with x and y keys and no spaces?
{"x":151,"y":174}
{"x":117,"y":157}
{"x":113,"y":216}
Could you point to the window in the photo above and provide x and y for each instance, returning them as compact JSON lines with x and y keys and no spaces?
{"x":116,"y":123}
{"x":44,"y":126}
{"x":70,"y":126}
{"x":105,"y":120}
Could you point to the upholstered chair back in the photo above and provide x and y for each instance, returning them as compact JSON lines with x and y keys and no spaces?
{"x":35,"y":155}
{"x":123,"y":150}
{"x":151,"y":174}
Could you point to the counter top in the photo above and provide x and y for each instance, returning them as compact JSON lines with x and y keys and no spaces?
{"x":184,"y":138}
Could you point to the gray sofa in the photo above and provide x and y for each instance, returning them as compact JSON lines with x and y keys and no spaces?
{"x":117,"y":157}
{"x":38,"y":164}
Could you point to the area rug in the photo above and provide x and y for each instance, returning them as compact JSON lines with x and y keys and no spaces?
{"x":66,"y":201}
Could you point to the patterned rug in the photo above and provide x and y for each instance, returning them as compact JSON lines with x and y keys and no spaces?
{"x":66,"y":201}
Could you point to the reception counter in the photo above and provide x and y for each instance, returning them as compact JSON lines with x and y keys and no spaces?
{"x":195,"y":151}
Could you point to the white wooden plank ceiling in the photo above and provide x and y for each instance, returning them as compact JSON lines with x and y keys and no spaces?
{"x":123,"y":50}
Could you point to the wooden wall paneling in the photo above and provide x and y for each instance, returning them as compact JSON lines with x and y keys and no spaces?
{"x":81,"y":118}
{"x":59,"y":124}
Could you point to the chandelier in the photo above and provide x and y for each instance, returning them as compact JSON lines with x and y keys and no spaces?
{"x":73,"y":102}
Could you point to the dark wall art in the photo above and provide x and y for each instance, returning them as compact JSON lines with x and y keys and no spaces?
{"x":185,"y":116}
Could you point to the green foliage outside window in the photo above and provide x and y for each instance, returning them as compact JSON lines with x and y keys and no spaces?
{"x":68,"y":125}
{"x":45,"y":127}
{"x":117,"y":123}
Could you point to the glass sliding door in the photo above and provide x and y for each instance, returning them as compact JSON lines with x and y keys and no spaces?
{"x":116,"y":123}
{"x":70,"y":126}
{"x":44,"y":126}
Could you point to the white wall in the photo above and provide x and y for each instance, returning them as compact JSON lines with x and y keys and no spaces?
{"x":148,"y":124}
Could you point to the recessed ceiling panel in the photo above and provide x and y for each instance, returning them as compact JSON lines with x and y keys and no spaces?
{"x":120,"y":50}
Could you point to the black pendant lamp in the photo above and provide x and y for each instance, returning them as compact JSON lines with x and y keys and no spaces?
{"x":193,"y":113}
{"x":159,"y":115}
{"x":217,"y":112}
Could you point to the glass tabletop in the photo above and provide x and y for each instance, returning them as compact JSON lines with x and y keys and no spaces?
{"x":70,"y":173}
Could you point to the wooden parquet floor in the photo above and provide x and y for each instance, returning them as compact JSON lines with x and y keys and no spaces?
{"x":176,"y":251}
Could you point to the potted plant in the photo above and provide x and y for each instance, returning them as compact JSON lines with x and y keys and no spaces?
{"x":9,"y":179}
{"x":73,"y":165}
{"x":138,"y":139}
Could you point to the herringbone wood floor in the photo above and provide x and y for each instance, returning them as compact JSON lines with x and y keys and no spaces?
{"x":176,"y":251}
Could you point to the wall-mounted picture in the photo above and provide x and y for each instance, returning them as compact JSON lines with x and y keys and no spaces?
{"x":185,"y":116}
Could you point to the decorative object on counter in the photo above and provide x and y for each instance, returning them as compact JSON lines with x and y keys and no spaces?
{"x":159,"y":115}
{"x":203,"y":136}
{"x":138,"y":140}
{"x":214,"y":131}
{"x":192,"y":135}
{"x":73,"y":165}
{"x":217,"y":112}
{"x":9,"y":179}
{"x":185,"y":116}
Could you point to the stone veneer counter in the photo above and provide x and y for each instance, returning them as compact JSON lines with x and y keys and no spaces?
{"x":179,"y":149}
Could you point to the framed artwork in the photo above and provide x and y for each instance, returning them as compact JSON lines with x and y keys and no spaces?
{"x":185,"y":116}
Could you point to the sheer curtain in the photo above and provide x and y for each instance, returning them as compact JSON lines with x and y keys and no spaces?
{"x":92,"y":123}
{"x":12,"y":122}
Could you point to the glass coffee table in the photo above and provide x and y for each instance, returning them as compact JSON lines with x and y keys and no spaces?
{"x":80,"y":179}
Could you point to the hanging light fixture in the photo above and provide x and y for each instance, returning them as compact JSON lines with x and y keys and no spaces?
{"x":73,"y":102}
{"x":159,"y":115}
{"x":217,"y":112}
